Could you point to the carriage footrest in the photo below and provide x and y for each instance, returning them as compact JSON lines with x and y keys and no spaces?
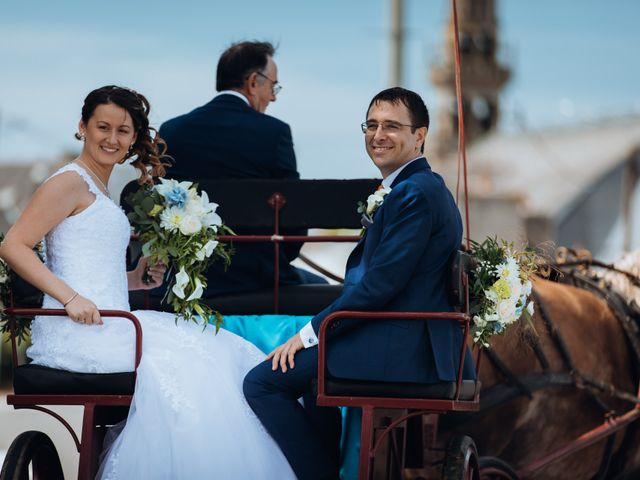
{"x":38,"y":380}
{"x":360,"y":388}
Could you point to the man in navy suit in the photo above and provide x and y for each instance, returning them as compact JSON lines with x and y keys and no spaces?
{"x":232,"y":137}
{"x":399,"y":265}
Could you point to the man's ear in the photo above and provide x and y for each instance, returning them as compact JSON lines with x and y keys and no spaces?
{"x":251,"y":82}
{"x":421,"y":136}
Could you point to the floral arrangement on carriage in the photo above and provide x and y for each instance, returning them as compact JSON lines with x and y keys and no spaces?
{"x":500,"y":287}
{"x":179,"y":227}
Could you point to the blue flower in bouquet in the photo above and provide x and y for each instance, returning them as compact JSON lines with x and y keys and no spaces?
{"x":176,"y":197}
{"x":175,"y":193}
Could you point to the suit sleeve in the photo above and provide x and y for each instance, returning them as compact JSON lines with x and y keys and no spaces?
{"x":285,"y":157}
{"x":406,"y":232}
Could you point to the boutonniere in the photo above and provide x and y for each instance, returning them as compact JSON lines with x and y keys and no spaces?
{"x":374,"y":201}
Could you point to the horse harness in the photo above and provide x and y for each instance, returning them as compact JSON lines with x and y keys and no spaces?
{"x":525,"y":385}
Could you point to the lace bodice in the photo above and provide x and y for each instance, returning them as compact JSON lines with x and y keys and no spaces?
{"x":88,"y":250}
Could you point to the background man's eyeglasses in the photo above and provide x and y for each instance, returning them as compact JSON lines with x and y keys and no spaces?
{"x":275,"y":86}
{"x":389,"y":127}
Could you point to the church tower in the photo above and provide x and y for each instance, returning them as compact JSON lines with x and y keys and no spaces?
{"x":482,"y":76}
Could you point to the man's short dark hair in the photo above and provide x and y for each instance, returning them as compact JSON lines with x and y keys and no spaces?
{"x":417,"y":109}
{"x":239,"y":61}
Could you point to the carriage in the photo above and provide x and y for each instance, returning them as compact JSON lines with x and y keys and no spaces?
{"x":408,"y":431}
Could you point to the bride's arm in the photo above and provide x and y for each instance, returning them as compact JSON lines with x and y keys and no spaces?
{"x":55,"y":200}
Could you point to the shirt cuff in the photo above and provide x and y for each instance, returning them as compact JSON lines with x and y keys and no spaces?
{"x":308,"y":336}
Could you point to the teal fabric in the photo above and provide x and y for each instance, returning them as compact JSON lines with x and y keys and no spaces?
{"x":267,"y":332}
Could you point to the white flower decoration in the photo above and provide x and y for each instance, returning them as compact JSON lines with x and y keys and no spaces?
{"x":376,"y":199}
{"x":190,"y":224}
{"x":182,"y":280}
{"x":171,"y":218}
{"x":206,"y":250}
{"x":197,"y":292}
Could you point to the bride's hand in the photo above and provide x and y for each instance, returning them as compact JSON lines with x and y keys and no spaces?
{"x":82,"y":310}
{"x":145,"y":277}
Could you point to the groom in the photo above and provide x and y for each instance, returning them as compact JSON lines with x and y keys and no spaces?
{"x":399,"y":265}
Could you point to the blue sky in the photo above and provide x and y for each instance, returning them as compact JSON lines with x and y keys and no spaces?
{"x":572,"y":60}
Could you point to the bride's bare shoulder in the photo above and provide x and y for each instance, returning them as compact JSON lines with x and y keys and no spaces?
{"x":64,"y":183}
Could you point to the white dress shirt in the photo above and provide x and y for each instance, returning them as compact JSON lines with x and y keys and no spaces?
{"x":307,"y":334}
{"x":235,"y":94}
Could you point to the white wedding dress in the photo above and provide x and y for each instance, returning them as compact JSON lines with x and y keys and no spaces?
{"x":188,"y":418}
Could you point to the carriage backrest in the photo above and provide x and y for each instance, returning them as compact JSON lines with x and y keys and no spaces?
{"x":244,"y":203}
{"x":460,"y":263}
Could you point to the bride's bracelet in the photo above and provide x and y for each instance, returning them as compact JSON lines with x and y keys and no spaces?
{"x":70,"y":300}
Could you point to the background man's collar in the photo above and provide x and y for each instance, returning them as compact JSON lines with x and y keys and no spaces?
{"x":234,"y":93}
{"x":386,"y":183}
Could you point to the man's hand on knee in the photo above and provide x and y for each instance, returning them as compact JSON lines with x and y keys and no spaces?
{"x":285,"y":353}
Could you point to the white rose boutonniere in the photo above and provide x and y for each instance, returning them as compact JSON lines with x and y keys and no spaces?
{"x":374,"y":201}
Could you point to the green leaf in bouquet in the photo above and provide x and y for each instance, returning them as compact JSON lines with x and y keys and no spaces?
{"x":140,"y":212}
{"x":147,"y":204}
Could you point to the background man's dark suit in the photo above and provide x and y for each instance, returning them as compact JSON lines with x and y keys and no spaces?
{"x":226,"y":138}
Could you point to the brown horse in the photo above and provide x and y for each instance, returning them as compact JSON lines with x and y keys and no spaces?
{"x":531,"y":405}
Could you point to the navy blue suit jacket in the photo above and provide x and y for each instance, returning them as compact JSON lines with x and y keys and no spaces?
{"x":400,"y":265}
{"x":226,"y":138}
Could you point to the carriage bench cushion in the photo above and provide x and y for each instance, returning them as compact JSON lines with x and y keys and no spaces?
{"x":358,"y":388}
{"x":38,"y":380}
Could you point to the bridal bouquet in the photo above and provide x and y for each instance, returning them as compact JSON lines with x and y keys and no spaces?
{"x":179,"y":226}
{"x":23,"y":292}
{"x":4,"y":292}
{"x":500,"y":287}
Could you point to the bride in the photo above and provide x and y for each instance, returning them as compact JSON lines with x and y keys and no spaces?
{"x":188,"y":418}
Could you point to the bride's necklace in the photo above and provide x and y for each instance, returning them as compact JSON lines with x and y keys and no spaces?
{"x":95,"y":175}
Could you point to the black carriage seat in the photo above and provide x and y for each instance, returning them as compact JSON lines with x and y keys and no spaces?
{"x":441,"y":390}
{"x":459,"y":263}
{"x":33,"y":379}
{"x":244,"y":204}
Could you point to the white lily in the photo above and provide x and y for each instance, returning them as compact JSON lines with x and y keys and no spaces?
{"x":206,"y":250}
{"x":197,"y":292}
{"x":182,"y":280}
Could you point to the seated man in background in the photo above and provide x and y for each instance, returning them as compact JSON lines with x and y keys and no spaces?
{"x":232,"y":137}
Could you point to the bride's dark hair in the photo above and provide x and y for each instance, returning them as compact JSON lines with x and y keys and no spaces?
{"x":149,"y":147}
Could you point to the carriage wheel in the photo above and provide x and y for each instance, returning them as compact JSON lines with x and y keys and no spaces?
{"x":32,"y":449}
{"x":461,"y":460}
{"x":492,"y":468}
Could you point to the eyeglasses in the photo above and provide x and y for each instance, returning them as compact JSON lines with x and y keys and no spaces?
{"x":370,"y":128}
{"x":275,"y":86}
